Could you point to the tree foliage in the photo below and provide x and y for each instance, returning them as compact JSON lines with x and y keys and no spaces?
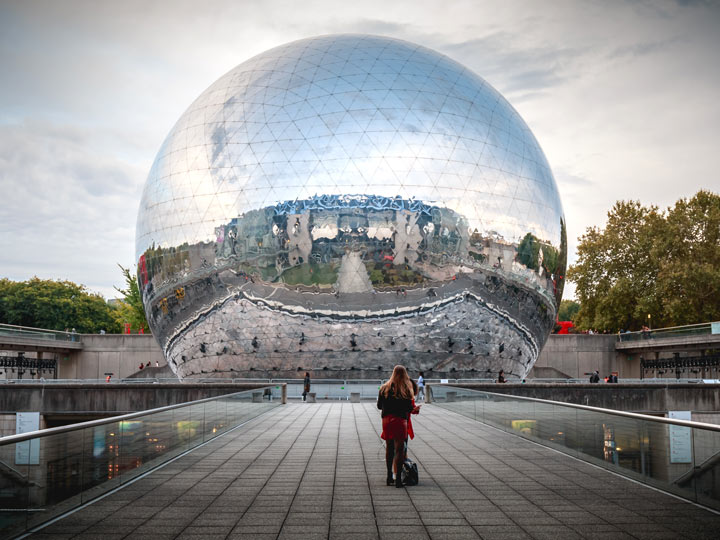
{"x":55,"y":305}
{"x":666,"y":264}
{"x":568,"y":310}
{"x":130,"y":308}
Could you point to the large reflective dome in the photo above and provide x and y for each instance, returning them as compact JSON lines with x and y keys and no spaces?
{"x":344,"y":203}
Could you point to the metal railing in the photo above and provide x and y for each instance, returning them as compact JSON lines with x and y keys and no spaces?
{"x":48,"y":472}
{"x":680,"y":457}
{"x":27,"y":332}
{"x":672,"y":331}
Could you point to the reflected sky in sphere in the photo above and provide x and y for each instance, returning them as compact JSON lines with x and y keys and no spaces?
{"x":349,"y":114}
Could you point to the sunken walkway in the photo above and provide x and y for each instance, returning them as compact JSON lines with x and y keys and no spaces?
{"x":316,"y":471}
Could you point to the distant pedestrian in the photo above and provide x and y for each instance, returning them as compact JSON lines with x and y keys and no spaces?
{"x":107,"y":379}
{"x":306,"y":386}
{"x":74,"y":335}
{"x":157,"y":364}
{"x":595,"y":377}
{"x":141,"y":366}
{"x":421,"y":386}
{"x":501,"y":376}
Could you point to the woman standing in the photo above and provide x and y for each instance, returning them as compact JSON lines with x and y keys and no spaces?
{"x":396,"y":399}
{"x":306,"y":385}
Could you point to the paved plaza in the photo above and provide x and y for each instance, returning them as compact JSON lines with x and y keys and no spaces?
{"x":316,"y":471}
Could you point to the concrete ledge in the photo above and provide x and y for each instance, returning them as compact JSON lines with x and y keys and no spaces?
{"x":633,"y":397}
{"x":103,"y":399}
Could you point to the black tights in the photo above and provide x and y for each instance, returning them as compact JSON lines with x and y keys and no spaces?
{"x":394,"y":461}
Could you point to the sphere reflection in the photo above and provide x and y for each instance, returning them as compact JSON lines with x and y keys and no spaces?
{"x":343,"y":203}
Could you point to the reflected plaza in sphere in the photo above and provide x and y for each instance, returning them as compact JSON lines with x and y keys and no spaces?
{"x":345,"y":203}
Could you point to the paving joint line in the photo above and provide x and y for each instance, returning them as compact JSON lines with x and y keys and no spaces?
{"x":282,"y":525}
{"x":367,"y":477}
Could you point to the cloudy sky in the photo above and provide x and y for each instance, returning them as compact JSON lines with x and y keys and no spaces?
{"x":623,"y":96}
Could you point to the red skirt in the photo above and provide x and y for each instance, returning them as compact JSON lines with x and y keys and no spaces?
{"x":394,"y":428}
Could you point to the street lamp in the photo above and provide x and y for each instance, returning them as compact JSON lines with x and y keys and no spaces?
{"x":649,"y":323}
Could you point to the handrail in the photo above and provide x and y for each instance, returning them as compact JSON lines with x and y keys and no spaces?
{"x":637,"y":416}
{"x":11,"y":439}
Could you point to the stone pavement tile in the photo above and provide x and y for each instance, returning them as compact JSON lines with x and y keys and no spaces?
{"x":160,"y":528}
{"x":452,"y":533}
{"x":94,"y":536}
{"x":444,"y":522}
{"x":367,"y":535}
{"x":604,"y":535}
{"x":200,"y":536}
{"x":501,"y":532}
{"x":487,"y":518}
{"x":150,"y":536}
{"x":215,"y":519}
{"x":251,"y":536}
{"x":354,"y":529}
{"x":104,"y":527}
{"x":403,"y":534}
{"x":544,"y":532}
{"x":210,"y":531}
{"x":534,"y":519}
{"x":265,"y":529}
{"x":293,"y":533}
{"x":389,"y":519}
{"x":308,"y":518}
{"x":399,"y":528}
{"x":658,"y":535}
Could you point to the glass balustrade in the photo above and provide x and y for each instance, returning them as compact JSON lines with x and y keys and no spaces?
{"x":46,"y":473}
{"x":680,"y":457}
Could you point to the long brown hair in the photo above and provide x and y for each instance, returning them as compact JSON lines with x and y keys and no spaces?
{"x":399,"y":384}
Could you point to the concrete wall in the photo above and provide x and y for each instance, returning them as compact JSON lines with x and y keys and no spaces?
{"x":652,"y":398}
{"x":577,"y":354}
{"x":572,"y":355}
{"x":120,"y":354}
{"x":103,"y":399}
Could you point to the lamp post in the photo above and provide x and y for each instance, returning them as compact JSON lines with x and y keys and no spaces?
{"x":649,"y":323}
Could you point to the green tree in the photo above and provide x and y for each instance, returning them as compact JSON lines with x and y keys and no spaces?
{"x":130,"y":308}
{"x":650,"y":262}
{"x":689,"y":279}
{"x":528,"y":251}
{"x":568,"y":310}
{"x":55,"y":305}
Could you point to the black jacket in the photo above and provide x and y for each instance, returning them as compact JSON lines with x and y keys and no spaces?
{"x":395,"y":406}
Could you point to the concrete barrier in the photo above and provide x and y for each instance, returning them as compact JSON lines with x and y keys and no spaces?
{"x":311,"y":397}
{"x":354,"y":397}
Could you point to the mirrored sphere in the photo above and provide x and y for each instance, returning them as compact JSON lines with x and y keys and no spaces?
{"x":345,"y":203}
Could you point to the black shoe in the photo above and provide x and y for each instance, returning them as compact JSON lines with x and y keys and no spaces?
{"x":390,"y":480}
{"x":398,"y":482}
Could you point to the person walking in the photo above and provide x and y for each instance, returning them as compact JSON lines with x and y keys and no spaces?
{"x":396,"y":400}
{"x":306,"y":385}
{"x":501,"y":376}
{"x":421,"y":386}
